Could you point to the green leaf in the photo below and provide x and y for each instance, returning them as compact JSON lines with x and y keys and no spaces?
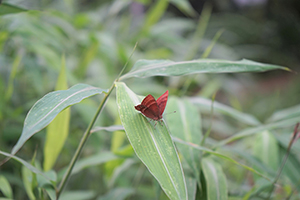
{"x":86,"y":59}
{"x":50,"y":191}
{"x":14,"y":69}
{"x":251,"y":131}
{"x":212,"y":44}
{"x":200,"y":148}
{"x":154,"y":14}
{"x":148,"y":68}
{"x":26,"y":164}
{"x":58,"y":129}
{"x":108,"y":128}
{"x":205,"y":106}
{"x":97,"y":159}
{"x":191,"y":184}
{"x":199,"y":33}
{"x":285,"y":114}
{"x":266,"y":149}
{"x":255,"y":163}
{"x":117,"y":140}
{"x":110,"y":166}
{"x":6,"y":8}
{"x":5,"y":187}
{"x":48,"y":107}
{"x":120,"y":169}
{"x":185,"y":7}
{"x":153,"y":145}
{"x":117,"y":194}
{"x":215,"y":179}
{"x":284,"y":139}
{"x":28,"y":182}
{"x":78,"y":195}
{"x":186,"y":125}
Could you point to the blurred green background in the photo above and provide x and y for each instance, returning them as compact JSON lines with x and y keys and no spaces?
{"x":97,"y":38}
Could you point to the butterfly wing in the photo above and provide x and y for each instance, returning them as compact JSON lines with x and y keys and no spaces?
{"x":149,"y":107}
{"x":162,"y":102}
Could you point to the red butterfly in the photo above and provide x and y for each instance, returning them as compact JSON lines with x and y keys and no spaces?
{"x":152,"y":108}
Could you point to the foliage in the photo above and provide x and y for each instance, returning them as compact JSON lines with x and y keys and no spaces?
{"x":206,"y":150}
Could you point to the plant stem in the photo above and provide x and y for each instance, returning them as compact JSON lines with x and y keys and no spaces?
{"x":83,"y":140}
{"x":293,"y":139}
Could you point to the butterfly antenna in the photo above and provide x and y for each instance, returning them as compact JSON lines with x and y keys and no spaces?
{"x":169,"y":113}
{"x":121,"y":72}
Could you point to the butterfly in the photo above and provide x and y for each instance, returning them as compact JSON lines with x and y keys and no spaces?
{"x":152,"y":108}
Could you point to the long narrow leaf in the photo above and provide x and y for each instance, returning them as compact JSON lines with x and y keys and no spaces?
{"x":90,"y":161}
{"x":185,"y":7}
{"x":5,"y":187}
{"x":205,"y":104}
{"x":28,"y":180}
{"x":6,"y":8}
{"x":251,"y":131}
{"x":186,"y":125}
{"x":285,"y":114}
{"x":154,"y":14}
{"x":117,"y":194}
{"x":58,"y":129}
{"x":215,"y":179}
{"x":191,"y":187}
{"x":266,"y":149}
{"x":148,"y":68}
{"x":153,"y":145}
{"x":48,"y":107}
{"x":26,"y":164}
{"x":175,"y":139}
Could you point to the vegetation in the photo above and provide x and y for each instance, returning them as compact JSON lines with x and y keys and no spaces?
{"x":70,"y":74}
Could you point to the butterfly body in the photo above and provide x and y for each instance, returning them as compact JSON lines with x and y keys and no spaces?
{"x":152,"y":108}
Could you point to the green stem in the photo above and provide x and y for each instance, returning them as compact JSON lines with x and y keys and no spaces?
{"x":83,"y":140}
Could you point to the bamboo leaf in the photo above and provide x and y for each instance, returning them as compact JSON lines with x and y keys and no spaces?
{"x":185,"y":7}
{"x":154,"y":14}
{"x":97,"y":159}
{"x":251,"y":131}
{"x":109,"y":128}
{"x":120,"y":169}
{"x":215,"y":179}
{"x":26,"y":164}
{"x":28,"y":182}
{"x":48,"y":107}
{"x":58,"y":129}
{"x":148,"y":68}
{"x":285,"y":114}
{"x":153,"y":145}
{"x":186,"y":125}
{"x":191,"y":184}
{"x":200,"y":148}
{"x":78,"y":195}
{"x":117,"y":194}
{"x":205,"y":106}
{"x":6,"y":8}
{"x":13,"y":73}
{"x":5,"y":187}
{"x":266,"y":149}
{"x":86,"y":59}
